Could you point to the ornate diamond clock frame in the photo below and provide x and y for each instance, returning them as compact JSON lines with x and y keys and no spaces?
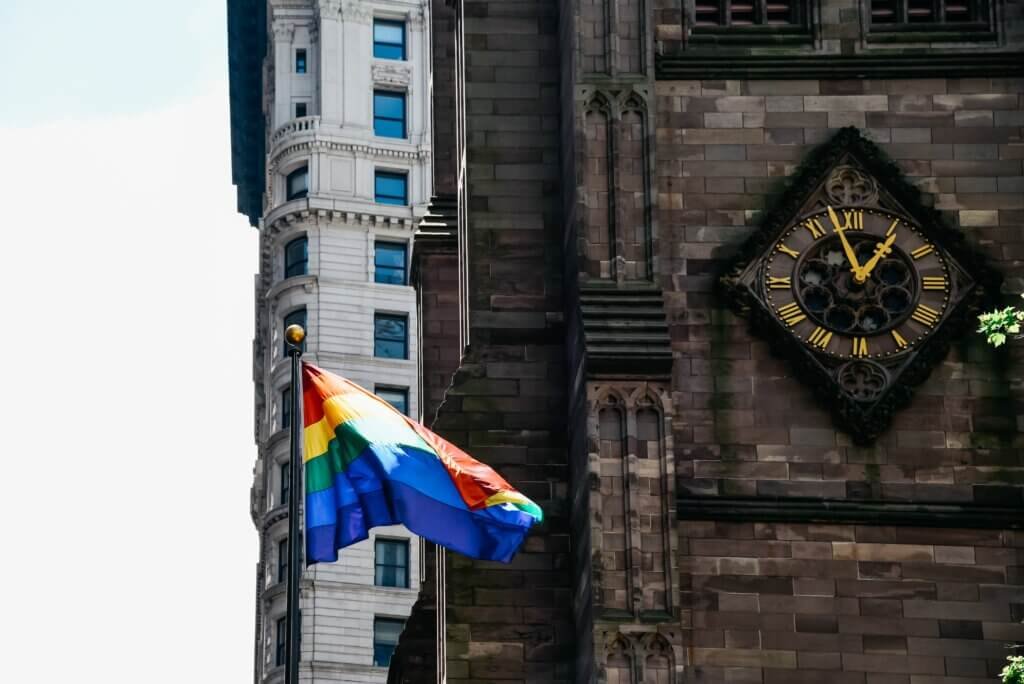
{"x":857,"y":282}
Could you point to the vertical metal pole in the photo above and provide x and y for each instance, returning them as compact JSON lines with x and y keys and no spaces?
{"x":441,"y":598}
{"x":293,"y":624}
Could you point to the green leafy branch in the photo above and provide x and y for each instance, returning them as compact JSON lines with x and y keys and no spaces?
{"x":1013,"y":673}
{"x":997,"y":326}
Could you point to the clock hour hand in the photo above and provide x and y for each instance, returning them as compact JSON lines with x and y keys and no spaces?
{"x":851,"y":256}
{"x":880,"y":251}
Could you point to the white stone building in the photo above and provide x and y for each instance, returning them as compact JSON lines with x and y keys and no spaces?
{"x":331,"y":100}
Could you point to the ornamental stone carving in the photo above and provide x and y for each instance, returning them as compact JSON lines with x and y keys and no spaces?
{"x":283,"y":32}
{"x":357,"y":12}
{"x":328,"y":7}
{"x":849,"y":186}
{"x":388,"y":74}
{"x":416,"y":19}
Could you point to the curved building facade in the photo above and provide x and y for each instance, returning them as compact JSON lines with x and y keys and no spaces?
{"x":345,"y":149}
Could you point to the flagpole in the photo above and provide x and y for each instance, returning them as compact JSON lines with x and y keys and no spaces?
{"x":295,"y":335}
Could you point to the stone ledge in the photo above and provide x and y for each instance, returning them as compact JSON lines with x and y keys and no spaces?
{"x":804,"y":66}
{"x":759,"y":509}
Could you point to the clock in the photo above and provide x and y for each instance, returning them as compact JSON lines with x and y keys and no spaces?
{"x":858,"y":282}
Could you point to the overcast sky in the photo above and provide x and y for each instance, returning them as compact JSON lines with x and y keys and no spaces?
{"x":126,"y":291}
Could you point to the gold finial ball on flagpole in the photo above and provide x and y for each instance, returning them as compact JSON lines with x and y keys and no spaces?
{"x":294,"y":334}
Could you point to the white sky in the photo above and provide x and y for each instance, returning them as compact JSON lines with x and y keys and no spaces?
{"x":126,"y":293}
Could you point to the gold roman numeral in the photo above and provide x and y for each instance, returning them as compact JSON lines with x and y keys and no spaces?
{"x":815,"y":227}
{"x":820,"y":337}
{"x":892,"y":227}
{"x":860,"y":346}
{"x":921,"y":251}
{"x":791,"y":314}
{"x":934,"y":282}
{"x":925,"y":315}
{"x":782,"y":283}
{"x":854,"y":219}
{"x":900,"y":342}
{"x":786,"y":250}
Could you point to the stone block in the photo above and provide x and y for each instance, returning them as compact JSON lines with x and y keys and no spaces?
{"x":895,"y":664}
{"x":961,"y":102}
{"x":846,"y":103}
{"x":741,"y":103}
{"x":738,"y":657}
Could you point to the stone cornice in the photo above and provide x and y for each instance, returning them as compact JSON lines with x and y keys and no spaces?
{"x":356,"y":587}
{"x":412,"y":155}
{"x":307,"y":283}
{"x":309,"y":134}
{"x":273,"y":516}
{"x":286,"y":215}
{"x":932,"y":64}
{"x":842,"y":511}
{"x":275,"y":438}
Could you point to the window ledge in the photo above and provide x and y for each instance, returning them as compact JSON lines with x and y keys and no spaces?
{"x":274,"y":590}
{"x":930,"y":35}
{"x":307,"y":282}
{"x":278,"y":435}
{"x":874,"y":64}
{"x":704,"y":36}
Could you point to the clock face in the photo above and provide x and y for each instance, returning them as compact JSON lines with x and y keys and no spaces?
{"x":852,"y":282}
{"x":857,"y":282}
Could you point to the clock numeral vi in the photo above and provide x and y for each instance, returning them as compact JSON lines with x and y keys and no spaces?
{"x":925,"y":315}
{"x":860,"y":346}
{"x":820,"y":337}
{"x":791,"y":314}
{"x":934,"y":282}
{"x":921,"y":251}
{"x":787,"y":250}
{"x":900,"y":342}
{"x":775,"y":283}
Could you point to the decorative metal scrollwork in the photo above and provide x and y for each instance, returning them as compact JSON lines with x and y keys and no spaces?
{"x":829,"y":294}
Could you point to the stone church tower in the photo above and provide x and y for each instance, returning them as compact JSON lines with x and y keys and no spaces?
{"x":716,"y":512}
{"x":749,"y":475}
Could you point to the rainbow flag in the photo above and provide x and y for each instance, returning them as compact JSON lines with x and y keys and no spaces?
{"x":366,"y":465}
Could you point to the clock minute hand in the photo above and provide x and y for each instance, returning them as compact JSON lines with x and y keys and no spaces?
{"x":851,"y":256}
{"x":880,"y":251}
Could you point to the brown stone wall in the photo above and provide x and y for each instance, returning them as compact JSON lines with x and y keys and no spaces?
{"x":443,"y":46}
{"x":438,"y":289}
{"x":597,"y":193}
{"x":744,"y":425}
{"x":507,"y":406}
{"x":831,"y":602}
{"x":631,"y":177}
{"x":851,"y":604}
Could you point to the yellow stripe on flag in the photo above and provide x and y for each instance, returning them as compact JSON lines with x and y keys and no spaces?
{"x":506,"y":497}
{"x":315,"y":438}
{"x":384,"y":424}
